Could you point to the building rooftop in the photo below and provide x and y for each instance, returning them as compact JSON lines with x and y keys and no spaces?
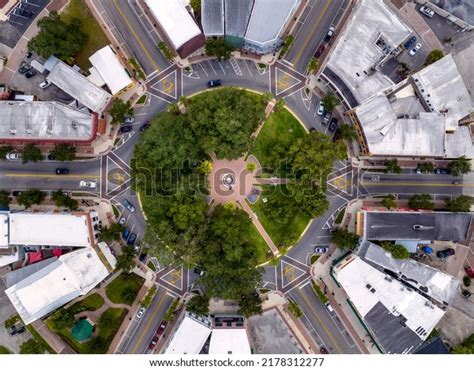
{"x":4,"y":230}
{"x":190,"y":336}
{"x":372,"y":32}
{"x":237,"y":15}
{"x":229,"y":341}
{"x":212,"y":17}
{"x":434,"y":283}
{"x":79,"y":87}
{"x":106,"y":63}
{"x":50,"y":229}
{"x":44,"y":121}
{"x":70,"y":276}
{"x":400,"y":225}
{"x":398,"y":317}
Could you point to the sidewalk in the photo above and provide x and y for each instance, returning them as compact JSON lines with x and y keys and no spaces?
{"x":54,"y":341}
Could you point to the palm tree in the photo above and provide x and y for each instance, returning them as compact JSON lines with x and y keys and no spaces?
{"x":347,"y":132}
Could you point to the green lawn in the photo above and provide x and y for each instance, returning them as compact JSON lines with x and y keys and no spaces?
{"x":90,"y":303}
{"x":124,"y":288}
{"x":279,"y":132}
{"x":260,"y":244}
{"x":4,"y":351}
{"x":96,"y":38}
{"x":283,"y":232}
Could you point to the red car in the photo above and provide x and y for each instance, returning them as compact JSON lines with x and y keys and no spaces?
{"x":153,"y":342}
{"x":469,"y":271}
{"x":159,"y":332}
{"x":162,"y":328}
{"x":320,"y":51}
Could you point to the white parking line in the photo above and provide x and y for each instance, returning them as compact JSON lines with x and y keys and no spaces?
{"x":208,"y":62}
{"x":235,"y":66}
{"x":248,"y":68}
{"x":220,"y":65}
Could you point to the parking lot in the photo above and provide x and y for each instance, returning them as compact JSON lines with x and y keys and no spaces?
{"x":24,"y":13}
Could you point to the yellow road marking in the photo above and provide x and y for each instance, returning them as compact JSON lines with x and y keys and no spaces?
{"x":283,"y":82}
{"x":175,"y":276}
{"x":320,"y":322}
{"x":418,"y":184}
{"x":289,"y":271}
{"x":168,"y":86}
{"x":118,"y":176}
{"x":313,"y":30}
{"x":340,"y":182}
{"x":147,"y":326}
{"x":147,"y":53}
{"x":41,"y":175}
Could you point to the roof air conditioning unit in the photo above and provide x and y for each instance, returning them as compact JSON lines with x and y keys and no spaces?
{"x":13,"y":132}
{"x":74,"y":126}
{"x":29,"y":131}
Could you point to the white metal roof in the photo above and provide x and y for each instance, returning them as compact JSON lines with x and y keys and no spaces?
{"x":174,"y":20}
{"x":190,"y":336}
{"x":43,"y":120}
{"x":107,"y":64}
{"x":50,"y":229}
{"x":72,"y":275}
{"x":354,"y":275}
{"x":79,"y":87}
{"x":212,"y":17}
{"x":105,"y":249}
{"x":229,"y":341}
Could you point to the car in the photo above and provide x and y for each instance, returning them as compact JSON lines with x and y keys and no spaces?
{"x":214,"y":83}
{"x":413,"y":51}
{"x":320,"y":110}
{"x":418,"y":171}
{"x":126,"y":203}
{"x":469,"y":271}
{"x":442,"y":171}
{"x":137,"y":247}
{"x":320,"y":250}
{"x":126,"y":234}
{"x":62,"y":171}
{"x":45,"y":84}
{"x":20,"y":330}
{"x":329,"y":34}
{"x":456,"y":182}
{"x":129,"y":120}
{"x":12,"y":330}
{"x":153,"y":343}
{"x":161,"y":328}
{"x":88,"y":184}
{"x":427,"y":11}
{"x":122,"y":221}
{"x":24,"y":67}
{"x":28,"y":54}
{"x":466,"y":294}
{"x":30,"y":73}
{"x":410,"y":42}
{"x":131,"y":239}
{"x":140,"y":312}
{"x":326,"y":118}
{"x":329,"y":307}
{"x":142,"y":257}
{"x":144,"y":126}
{"x":199,"y":271}
{"x":320,"y":51}
{"x":312,"y":129}
{"x":323,"y":350}
{"x":51,"y":157}
{"x":445,"y":253}
{"x":124,"y":129}
{"x":333,"y":124}
{"x":13,"y":156}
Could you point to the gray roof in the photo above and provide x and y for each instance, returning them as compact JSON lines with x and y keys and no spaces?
{"x":9,"y":35}
{"x":434,"y":283}
{"x":212,"y":17}
{"x":399,"y":225}
{"x":389,"y":332}
{"x":237,"y":14}
{"x":14,"y":277}
{"x":43,"y":121}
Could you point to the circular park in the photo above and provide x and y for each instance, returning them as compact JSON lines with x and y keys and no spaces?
{"x":228,"y":180}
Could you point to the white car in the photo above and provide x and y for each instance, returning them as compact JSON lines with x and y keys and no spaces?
{"x":45,"y":84}
{"x":320,"y":109}
{"x":13,"y":156}
{"x":140,"y":312}
{"x":329,"y":307}
{"x":415,"y":49}
{"x":427,"y":11}
{"x":88,"y":184}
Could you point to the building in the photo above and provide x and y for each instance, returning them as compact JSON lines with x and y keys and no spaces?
{"x":179,"y":26}
{"x":225,"y":341}
{"x":38,"y":122}
{"x":79,"y":87}
{"x":6,"y":6}
{"x":429,"y":281}
{"x":190,"y":336}
{"x":70,"y":276}
{"x":107,"y":70}
{"x":398,"y":317}
{"x":254,"y":25}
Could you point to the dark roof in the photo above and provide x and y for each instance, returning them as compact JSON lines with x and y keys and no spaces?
{"x":433,"y":346}
{"x":191,"y":46}
{"x":237,"y":15}
{"x":389,"y":332}
{"x":399,"y":225}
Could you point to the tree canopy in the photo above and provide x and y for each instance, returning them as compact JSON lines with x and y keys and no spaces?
{"x":30,"y":197}
{"x":459,"y":166}
{"x":63,"y":40}
{"x":397,"y":251}
{"x":347,"y":132}
{"x":389,"y":202}
{"x":126,"y":260}
{"x":421,"y":201}
{"x":199,"y":305}
{"x":391,"y":166}
{"x":434,"y":55}
{"x":344,"y":239}
{"x":330,"y":101}
{"x":64,"y":152}
{"x":64,"y":200}
{"x":4,"y":198}
{"x":120,"y":110}
{"x":31,"y":153}
{"x":219,"y":48}
{"x":461,"y":203}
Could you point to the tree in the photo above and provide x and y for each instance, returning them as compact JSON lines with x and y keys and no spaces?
{"x":267,"y":97}
{"x":280,"y":104}
{"x":399,"y":252}
{"x":126,"y":260}
{"x":466,"y":280}
{"x":344,"y":239}
{"x":219,"y":48}
{"x":32,"y":346}
{"x":31,"y":196}
{"x":294,"y":309}
{"x":459,"y":166}
{"x":64,"y":200}
{"x":4,"y":198}
{"x":421,"y":201}
{"x":63,"y":40}
{"x":250,"y":167}
{"x":250,"y":305}
{"x":31,"y":153}
{"x":312,"y":65}
{"x":205,"y":167}
{"x":4,"y":150}
{"x":391,"y":166}
{"x":165,"y":50}
{"x":461,"y":203}
{"x":111,"y":233}
{"x":330,"y":101}
{"x":389,"y":202}
{"x":434,"y":55}
{"x":346,"y":132}
{"x":64,"y":152}
{"x":196,"y":5}
{"x":426,"y":167}
{"x":63,"y":319}
{"x":120,"y":110}
{"x":146,"y":302}
{"x":199,"y":305}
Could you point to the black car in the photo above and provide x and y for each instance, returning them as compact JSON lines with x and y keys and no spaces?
{"x":333,"y":124}
{"x":12,"y":330}
{"x":410,"y":42}
{"x":62,"y":171}
{"x":50,"y":157}
{"x":466,"y":294}
{"x":20,"y":330}
{"x":30,"y":73}
{"x":329,"y":34}
{"x":144,"y":126}
{"x":125,"y":129}
{"x":326,"y":118}
{"x":445,"y":253}
{"x":214,"y":83}
{"x":24,"y":67}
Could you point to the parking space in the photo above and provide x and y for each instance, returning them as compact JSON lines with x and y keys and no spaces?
{"x":463,"y":9}
{"x":23,"y":14}
{"x":452,"y":265}
{"x":443,"y":29}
